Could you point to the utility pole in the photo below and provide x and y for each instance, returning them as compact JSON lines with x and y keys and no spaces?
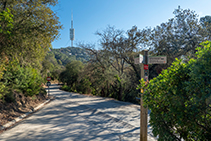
{"x":144,"y":111}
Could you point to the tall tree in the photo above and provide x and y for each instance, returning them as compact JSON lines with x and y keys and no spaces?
{"x":117,"y":55}
{"x":35,"y":26}
{"x":178,"y":37}
{"x":206,"y":26}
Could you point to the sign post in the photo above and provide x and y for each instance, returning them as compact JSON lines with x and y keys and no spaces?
{"x":144,"y":61}
{"x":48,"y":84}
{"x":144,"y":111}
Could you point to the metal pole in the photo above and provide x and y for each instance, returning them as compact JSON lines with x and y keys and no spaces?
{"x":144,"y":111}
{"x":48,"y":90}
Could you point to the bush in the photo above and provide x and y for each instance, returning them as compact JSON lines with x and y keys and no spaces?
{"x":43,"y":91}
{"x":179,"y":99}
{"x":70,"y":75}
{"x":66,"y":88}
{"x":2,"y":89}
{"x":3,"y":62}
{"x":84,"y":86}
{"x":27,"y":79}
{"x":9,"y":96}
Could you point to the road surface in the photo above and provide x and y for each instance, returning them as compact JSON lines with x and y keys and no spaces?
{"x":76,"y":117}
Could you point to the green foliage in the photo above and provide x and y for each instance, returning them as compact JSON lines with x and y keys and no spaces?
{"x":3,"y":63}
{"x":71,"y":74}
{"x":50,"y":67}
{"x":68,"y":54}
{"x":9,"y":97}
{"x":26,"y":79}
{"x":2,"y":90}
{"x":56,"y":59}
{"x":28,"y":29}
{"x":84,"y":86}
{"x":179,"y":99}
{"x":6,"y":22}
{"x":43,"y":91}
{"x":66,"y":88}
{"x":177,"y":38}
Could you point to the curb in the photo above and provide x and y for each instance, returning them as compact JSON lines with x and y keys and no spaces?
{"x":11,"y":123}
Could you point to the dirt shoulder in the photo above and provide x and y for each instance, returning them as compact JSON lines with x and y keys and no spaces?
{"x":21,"y":105}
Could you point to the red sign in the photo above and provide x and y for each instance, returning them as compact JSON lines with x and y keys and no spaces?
{"x":48,"y":79}
{"x":146,"y":67}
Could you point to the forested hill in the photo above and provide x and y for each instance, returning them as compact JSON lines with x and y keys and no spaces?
{"x":56,"y":60}
{"x":68,"y":54}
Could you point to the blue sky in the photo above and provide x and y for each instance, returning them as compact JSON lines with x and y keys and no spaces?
{"x":95,"y":15}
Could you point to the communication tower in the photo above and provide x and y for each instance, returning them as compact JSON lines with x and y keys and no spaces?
{"x":72,"y":31}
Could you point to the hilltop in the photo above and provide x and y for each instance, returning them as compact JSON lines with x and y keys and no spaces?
{"x":65,"y":55}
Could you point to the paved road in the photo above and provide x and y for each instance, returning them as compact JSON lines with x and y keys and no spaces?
{"x":75,"y":117}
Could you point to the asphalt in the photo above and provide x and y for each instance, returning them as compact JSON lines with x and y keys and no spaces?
{"x":76,"y":117}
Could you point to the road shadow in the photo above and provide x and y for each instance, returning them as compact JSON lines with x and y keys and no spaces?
{"x":68,"y":121}
{"x":70,"y":117}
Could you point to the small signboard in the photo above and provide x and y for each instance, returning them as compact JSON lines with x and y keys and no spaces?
{"x":146,"y":67}
{"x":157,"y":60}
{"x":139,"y":59}
{"x":48,"y":78}
{"x":48,"y":83}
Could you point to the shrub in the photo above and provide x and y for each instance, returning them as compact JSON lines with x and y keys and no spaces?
{"x":9,"y":97}
{"x":84,"y":86}
{"x":27,"y":79}
{"x":70,"y":75}
{"x":65,"y":88}
{"x":179,"y":99}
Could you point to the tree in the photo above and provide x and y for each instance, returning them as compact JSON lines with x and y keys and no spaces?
{"x":178,"y":37}
{"x":27,"y":29}
{"x":121,"y":49}
{"x":114,"y":63}
{"x":206,"y":26}
{"x":35,"y":26}
{"x":205,"y":21}
{"x":98,"y":70}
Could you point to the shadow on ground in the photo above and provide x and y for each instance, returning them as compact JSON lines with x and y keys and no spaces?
{"x":75,"y":117}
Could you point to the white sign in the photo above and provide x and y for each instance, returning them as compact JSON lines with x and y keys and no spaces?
{"x":139,"y":60}
{"x":157,"y":60}
{"x":48,"y":83}
{"x":48,"y":79}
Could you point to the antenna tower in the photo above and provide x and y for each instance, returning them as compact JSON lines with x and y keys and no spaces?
{"x":72,"y":30}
